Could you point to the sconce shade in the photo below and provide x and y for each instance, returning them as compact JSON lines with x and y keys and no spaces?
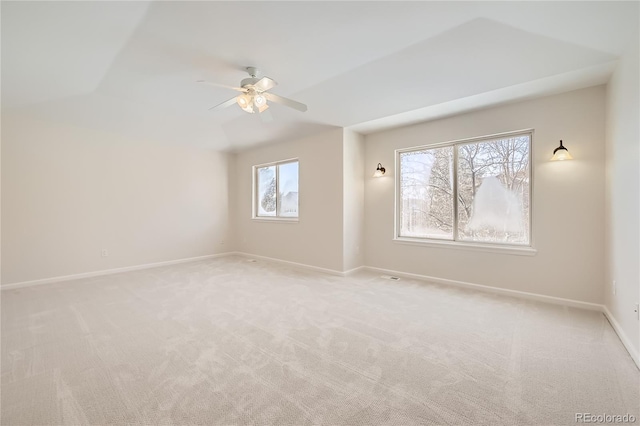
{"x":379,"y":171}
{"x":561,"y":153}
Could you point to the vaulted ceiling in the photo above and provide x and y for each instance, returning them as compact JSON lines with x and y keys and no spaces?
{"x":131,"y":67}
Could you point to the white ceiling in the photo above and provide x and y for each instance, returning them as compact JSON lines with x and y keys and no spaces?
{"x":130,"y":67}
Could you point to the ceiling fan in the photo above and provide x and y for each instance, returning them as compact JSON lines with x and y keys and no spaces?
{"x":254,"y":94}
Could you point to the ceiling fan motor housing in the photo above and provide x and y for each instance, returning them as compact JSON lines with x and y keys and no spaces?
{"x":253,"y":72}
{"x":249,"y":81}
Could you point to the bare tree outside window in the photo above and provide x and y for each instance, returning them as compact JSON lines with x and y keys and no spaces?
{"x":492,"y":194}
{"x":426,"y":187}
{"x":267,"y":191}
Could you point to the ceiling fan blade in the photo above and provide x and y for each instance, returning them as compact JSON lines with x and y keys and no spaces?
{"x":285,"y":101}
{"x":208,"y":83}
{"x":224,"y":104}
{"x":264,"y":84}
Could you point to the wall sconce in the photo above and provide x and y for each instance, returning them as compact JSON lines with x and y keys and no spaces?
{"x":379,"y":171}
{"x":561,"y":153}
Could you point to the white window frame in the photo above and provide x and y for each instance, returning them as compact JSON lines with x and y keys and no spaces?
{"x":517,"y":249}
{"x":255,"y":195}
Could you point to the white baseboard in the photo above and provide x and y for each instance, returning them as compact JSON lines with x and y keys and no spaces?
{"x":622,"y":335}
{"x":107,"y":272}
{"x":495,"y":290}
{"x":289,"y":263}
{"x":479,"y":287}
{"x":301,"y":265}
{"x":51,"y":280}
{"x":353,"y":271}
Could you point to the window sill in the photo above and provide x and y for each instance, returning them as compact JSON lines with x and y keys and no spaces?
{"x":512,"y":250}
{"x":276,"y":219}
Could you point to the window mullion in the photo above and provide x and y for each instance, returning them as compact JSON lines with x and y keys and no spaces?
{"x":277,"y":190}
{"x":455,"y":192}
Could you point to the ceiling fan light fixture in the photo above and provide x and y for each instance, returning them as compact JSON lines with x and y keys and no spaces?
{"x":259,"y":100}
{"x":263,"y":107}
{"x":244,"y":101}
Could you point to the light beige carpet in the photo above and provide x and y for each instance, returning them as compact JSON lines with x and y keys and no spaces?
{"x":226,"y":341}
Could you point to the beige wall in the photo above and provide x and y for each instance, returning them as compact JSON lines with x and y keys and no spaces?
{"x":316,"y":239}
{"x":568,"y":199}
{"x":69,"y":192}
{"x":623,"y":195}
{"x":353,"y":174}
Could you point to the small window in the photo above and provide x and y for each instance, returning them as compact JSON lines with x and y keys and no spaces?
{"x":473,"y":191}
{"x":276,"y":190}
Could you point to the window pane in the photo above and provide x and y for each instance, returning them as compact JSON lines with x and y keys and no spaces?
{"x":288,"y":183}
{"x":426,"y":188}
{"x":267,"y":191}
{"x":493,"y":191}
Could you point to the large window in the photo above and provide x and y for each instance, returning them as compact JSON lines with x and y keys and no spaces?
{"x":276,"y":190}
{"x":476,"y":191}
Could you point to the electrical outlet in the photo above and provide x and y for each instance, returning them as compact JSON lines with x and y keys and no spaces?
{"x":105,"y":253}
{"x":221,"y":242}
{"x":614,"y":288}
